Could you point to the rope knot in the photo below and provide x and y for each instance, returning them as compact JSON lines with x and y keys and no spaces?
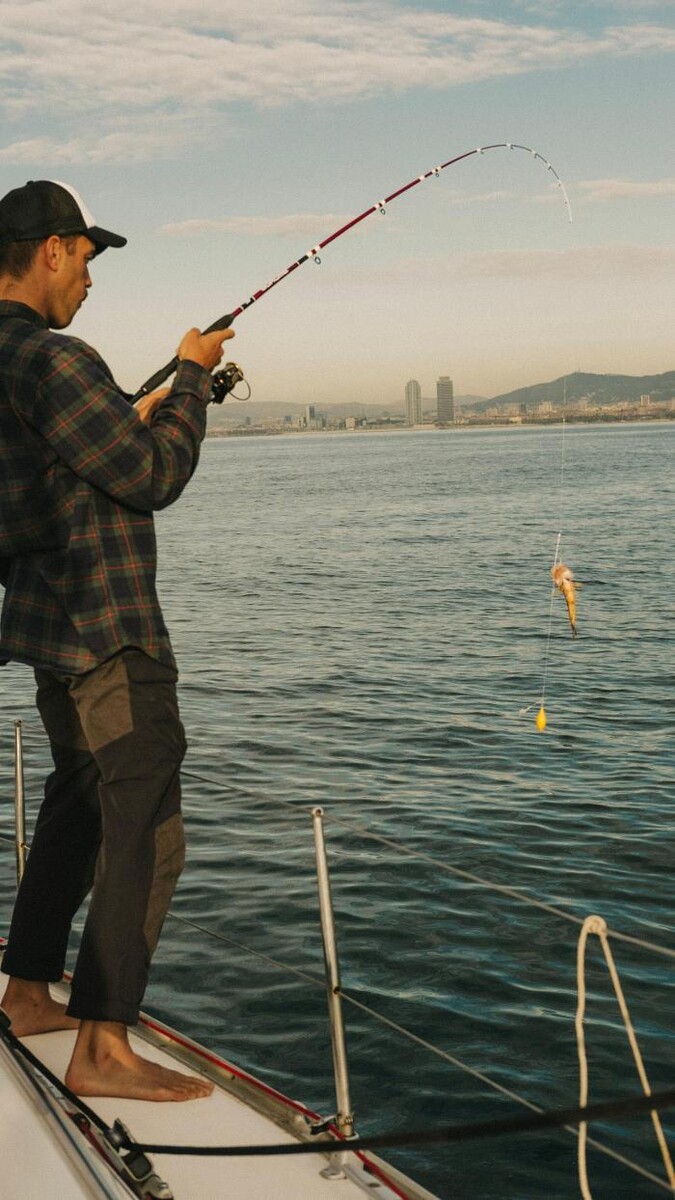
{"x":595,"y":924}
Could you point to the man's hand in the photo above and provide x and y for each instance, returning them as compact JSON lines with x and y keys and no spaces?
{"x":146,"y":406}
{"x":206,"y":349}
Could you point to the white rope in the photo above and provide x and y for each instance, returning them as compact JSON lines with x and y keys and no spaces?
{"x":598,"y":926}
{"x":581,"y":1053}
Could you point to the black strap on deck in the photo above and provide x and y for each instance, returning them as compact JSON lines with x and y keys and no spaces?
{"x":630,"y":1106}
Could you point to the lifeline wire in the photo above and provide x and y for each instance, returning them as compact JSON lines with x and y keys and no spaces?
{"x":96,"y":1120}
{"x":541,"y":1120}
{"x":423,"y":856}
{"x":601,"y":1147}
{"x":348,"y":998}
{"x":160,"y":376}
{"x":471,"y":877}
{"x":414,"y":1037}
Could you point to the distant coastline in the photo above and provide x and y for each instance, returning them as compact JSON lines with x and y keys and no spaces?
{"x":466,"y":426}
{"x":578,"y":398}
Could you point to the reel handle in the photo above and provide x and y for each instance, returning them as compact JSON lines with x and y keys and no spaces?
{"x":225,"y":381}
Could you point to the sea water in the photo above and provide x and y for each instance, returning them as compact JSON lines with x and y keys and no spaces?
{"x":365,"y":622}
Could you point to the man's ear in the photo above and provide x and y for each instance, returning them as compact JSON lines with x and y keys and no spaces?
{"x":52,"y":251}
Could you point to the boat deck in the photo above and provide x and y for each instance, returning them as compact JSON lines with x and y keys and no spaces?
{"x":241,"y":1111}
{"x":221,"y":1119}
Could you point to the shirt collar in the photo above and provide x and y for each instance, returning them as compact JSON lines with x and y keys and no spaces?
{"x":12,"y":308}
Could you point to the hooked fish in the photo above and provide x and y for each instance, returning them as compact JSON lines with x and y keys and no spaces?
{"x":564,"y":581}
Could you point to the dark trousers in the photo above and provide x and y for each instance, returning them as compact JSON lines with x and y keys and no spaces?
{"x":111,"y":821}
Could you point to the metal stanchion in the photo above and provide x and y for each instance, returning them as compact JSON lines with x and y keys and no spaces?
{"x":344,"y":1118}
{"x":19,"y":804}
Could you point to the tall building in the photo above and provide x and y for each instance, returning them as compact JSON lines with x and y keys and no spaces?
{"x":413,"y":403}
{"x":445,"y":400}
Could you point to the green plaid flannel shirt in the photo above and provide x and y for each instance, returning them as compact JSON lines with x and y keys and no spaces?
{"x":80,"y":476}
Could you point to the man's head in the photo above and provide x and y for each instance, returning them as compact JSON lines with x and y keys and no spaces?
{"x":47,"y":239}
{"x":40,"y":208}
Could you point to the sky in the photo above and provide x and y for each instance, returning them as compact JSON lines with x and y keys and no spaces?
{"x":226,"y":138}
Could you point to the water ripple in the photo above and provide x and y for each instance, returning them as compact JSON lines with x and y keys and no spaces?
{"x":363,"y":623}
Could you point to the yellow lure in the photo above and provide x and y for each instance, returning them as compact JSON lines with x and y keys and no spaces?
{"x":541,"y":720}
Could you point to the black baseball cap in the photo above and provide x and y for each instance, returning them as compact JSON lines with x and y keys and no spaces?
{"x":44,"y":207}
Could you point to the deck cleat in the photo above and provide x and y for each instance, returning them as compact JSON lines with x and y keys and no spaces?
{"x":134,"y":1166}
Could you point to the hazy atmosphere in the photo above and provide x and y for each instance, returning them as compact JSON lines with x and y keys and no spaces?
{"x":224,"y":140}
{"x":446,"y":623}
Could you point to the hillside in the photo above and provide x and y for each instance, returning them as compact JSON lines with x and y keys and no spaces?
{"x":594,"y":390}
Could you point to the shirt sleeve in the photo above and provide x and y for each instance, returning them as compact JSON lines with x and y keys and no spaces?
{"x":78,"y":409}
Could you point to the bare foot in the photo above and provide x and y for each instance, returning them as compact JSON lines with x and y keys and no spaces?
{"x":103,"y":1064}
{"x":31,"y":1009}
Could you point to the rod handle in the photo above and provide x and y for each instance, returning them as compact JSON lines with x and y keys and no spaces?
{"x":221,"y":323}
{"x":160,"y":376}
{"x":155,"y":380}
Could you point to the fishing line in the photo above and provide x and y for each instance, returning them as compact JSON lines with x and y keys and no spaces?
{"x":541,"y":718}
{"x":380,"y":206}
{"x":541,"y":715}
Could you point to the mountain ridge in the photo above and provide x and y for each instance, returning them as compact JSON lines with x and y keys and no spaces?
{"x":583,"y":386}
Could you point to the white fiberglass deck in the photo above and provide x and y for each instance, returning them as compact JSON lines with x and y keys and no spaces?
{"x":34,"y":1163}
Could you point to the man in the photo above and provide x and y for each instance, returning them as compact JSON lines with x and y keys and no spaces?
{"x":81,"y":472}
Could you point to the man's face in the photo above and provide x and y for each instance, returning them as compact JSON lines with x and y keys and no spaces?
{"x":71,"y":280}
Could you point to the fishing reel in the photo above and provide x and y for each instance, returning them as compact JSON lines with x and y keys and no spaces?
{"x":225,"y":380}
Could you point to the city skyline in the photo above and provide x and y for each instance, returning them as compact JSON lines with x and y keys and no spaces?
{"x":574,"y":393}
{"x":225,"y":142}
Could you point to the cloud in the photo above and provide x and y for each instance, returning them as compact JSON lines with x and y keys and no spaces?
{"x":550,"y":8}
{"x":455,"y":197}
{"x":626,"y":189}
{"x":582,"y":262}
{"x":142,"y":140}
{"x":111,"y":66}
{"x":309,"y":224}
{"x":305,"y":224}
{"x":601,"y":264}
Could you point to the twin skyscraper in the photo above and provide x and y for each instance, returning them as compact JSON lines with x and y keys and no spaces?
{"x":445,"y":402}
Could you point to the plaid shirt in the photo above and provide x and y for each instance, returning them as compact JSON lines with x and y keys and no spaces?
{"x":80,"y":475}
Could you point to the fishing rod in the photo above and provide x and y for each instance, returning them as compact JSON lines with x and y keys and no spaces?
{"x":225,"y":380}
